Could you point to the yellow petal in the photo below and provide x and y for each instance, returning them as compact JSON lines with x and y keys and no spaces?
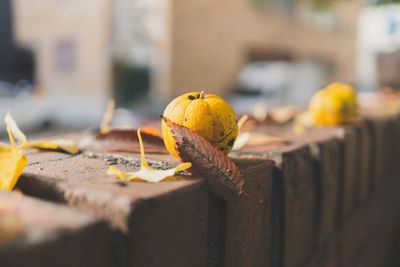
{"x":68,"y":146}
{"x":12,"y":163}
{"x":105,"y":122}
{"x":147,"y":173}
{"x":256,"y":139}
{"x":14,"y":131}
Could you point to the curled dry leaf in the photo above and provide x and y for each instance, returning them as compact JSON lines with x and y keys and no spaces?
{"x":68,"y":146}
{"x":146,"y":173}
{"x":221,"y":173}
{"x":123,"y":140}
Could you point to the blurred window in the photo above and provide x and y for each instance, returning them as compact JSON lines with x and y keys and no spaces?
{"x":66,"y":56}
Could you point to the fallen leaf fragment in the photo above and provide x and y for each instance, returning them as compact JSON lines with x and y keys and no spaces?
{"x":146,"y":172}
{"x":68,"y":146}
{"x":221,"y":173}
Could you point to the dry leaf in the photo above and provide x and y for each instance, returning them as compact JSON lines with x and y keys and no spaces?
{"x":68,"y":146}
{"x":146,"y":173}
{"x":221,"y":173}
{"x":12,"y":160}
{"x":123,"y":140}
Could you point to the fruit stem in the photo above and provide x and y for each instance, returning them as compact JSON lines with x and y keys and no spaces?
{"x":201,"y":95}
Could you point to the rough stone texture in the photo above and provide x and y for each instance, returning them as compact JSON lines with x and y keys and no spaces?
{"x":38,"y":233}
{"x":167,"y":219}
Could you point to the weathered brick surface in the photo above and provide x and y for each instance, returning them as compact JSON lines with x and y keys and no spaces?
{"x":298,"y":195}
{"x":37,"y":233}
{"x":384,"y":139}
{"x":329,"y":199}
{"x":248,"y":220}
{"x":164,"y":225}
{"x":326,"y":151}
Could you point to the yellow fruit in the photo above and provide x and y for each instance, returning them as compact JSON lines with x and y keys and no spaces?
{"x":207,"y":114}
{"x":334,"y":105}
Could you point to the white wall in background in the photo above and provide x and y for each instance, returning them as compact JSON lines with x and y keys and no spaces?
{"x":378,"y":31}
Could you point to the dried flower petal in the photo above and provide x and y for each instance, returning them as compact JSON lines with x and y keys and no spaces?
{"x":146,"y":173}
{"x":14,"y":131}
{"x":105,"y":122}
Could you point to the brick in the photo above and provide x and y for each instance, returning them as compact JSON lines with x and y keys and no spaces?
{"x":325,"y":256}
{"x":163,"y":223}
{"x":248,"y":222}
{"x":383,"y":132}
{"x":328,"y":176}
{"x":365,"y":162}
{"x":326,"y":150}
{"x":47,"y":234}
{"x":367,"y":238}
{"x":296,"y":192}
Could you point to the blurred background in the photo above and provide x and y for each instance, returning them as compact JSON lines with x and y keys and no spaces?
{"x":60,"y":60}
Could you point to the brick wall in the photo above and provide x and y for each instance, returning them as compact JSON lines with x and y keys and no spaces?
{"x":329,"y":199}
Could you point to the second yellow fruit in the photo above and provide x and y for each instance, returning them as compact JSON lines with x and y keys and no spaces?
{"x":334,"y":105}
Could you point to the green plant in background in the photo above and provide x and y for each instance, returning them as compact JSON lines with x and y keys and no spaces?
{"x":384,"y":2}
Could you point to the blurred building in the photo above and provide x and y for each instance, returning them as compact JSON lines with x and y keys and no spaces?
{"x":207,"y":42}
{"x":185,"y":44}
{"x":71,"y":43}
